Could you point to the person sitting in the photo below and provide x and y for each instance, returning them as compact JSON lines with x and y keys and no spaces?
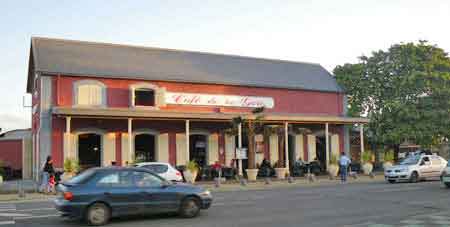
{"x":297,"y":169}
{"x":264,"y":168}
{"x":216,"y":168}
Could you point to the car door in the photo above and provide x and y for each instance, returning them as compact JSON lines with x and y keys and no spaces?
{"x":436,"y":165}
{"x":158,"y":194}
{"x":425,"y":167}
{"x":118,"y":190}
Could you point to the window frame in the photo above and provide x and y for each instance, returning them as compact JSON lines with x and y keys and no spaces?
{"x":79,"y":83}
{"x":144,"y":86}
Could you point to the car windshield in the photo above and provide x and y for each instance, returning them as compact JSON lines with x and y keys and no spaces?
{"x":81,"y":178}
{"x":410,"y":160}
{"x":157,"y":168}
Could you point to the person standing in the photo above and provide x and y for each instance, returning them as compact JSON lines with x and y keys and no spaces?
{"x":344,"y":162}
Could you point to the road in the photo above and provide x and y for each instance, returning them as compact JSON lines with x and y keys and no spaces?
{"x":359,"y":204}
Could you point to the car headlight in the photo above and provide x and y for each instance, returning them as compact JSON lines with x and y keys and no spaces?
{"x":205,"y":194}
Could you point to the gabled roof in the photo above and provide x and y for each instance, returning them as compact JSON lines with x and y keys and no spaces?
{"x":68,"y":57}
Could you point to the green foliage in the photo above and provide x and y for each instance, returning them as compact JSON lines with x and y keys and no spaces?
{"x":333,"y":159}
{"x":71,"y":165}
{"x":192,"y":166}
{"x":388,"y":156}
{"x":366,"y":156}
{"x":405,"y":91}
{"x":2,"y":171}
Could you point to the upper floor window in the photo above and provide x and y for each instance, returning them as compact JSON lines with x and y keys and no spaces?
{"x":146,"y":95}
{"x":89,"y":93}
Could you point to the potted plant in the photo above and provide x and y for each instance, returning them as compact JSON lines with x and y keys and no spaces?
{"x":280,"y":170}
{"x":71,"y":168}
{"x":367,"y":162}
{"x":333,"y":167}
{"x":191,"y":171}
{"x":388,"y":159}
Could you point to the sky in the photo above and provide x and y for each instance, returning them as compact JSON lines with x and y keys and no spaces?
{"x":326,"y":32}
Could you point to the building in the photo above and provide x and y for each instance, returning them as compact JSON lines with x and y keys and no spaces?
{"x":16,"y":153}
{"x":99,"y":103}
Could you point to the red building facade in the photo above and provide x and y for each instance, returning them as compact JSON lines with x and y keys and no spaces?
{"x":103,"y":103}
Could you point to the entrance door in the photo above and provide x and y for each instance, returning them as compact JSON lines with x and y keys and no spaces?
{"x":89,"y":150}
{"x":144,"y":148}
{"x":321,"y":152}
{"x":198,"y":149}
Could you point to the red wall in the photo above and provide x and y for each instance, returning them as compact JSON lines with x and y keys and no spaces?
{"x":11,"y":153}
{"x":286,"y":100}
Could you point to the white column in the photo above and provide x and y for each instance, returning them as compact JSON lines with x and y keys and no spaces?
{"x":69,"y":143}
{"x":130,"y":139}
{"x":327,"y":145}
{"x":286,"y":145}
{"x":240,"y":146}
{"x":361,"y":136}
{"x":187,"y":141}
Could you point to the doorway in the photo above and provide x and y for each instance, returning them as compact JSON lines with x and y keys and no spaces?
{"x":321,"y":151}
{"x":198,"y":147}
{"x":89,"y":150}
{"x":144,"y":148}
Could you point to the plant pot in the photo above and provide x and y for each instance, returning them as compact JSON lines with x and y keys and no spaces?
{"x":387,"y":165}
{"x":66,"y":176}
{"x":367,"y":168}
{"x":333,"y":170}
{"x":251,"y":174}
{"x":1,"y":179}
{"x":190,"y":176}
{"x":281,"y":173}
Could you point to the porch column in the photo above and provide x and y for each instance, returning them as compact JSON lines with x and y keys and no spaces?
{"x":68,"y":120}
{"x":327,"y":145}
{"x":361,"y":137}
{"x":187,"y":141}
{"x":240,"y":146}
{"x":286,"y":146}
{"x":130,"y":139}
{"x":69,"y":143}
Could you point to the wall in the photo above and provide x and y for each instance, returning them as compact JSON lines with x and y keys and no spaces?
{"x":286,"y":100}
{"x":11,"y":153}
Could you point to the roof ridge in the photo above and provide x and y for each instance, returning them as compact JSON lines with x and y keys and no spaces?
{"x":37,"y":38}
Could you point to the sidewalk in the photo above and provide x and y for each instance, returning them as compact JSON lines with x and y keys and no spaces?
{"x":233,"y":185}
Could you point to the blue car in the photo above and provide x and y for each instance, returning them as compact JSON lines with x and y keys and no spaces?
{"x":98,"y":194}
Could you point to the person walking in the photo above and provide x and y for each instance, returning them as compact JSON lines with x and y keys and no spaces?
{"x":344,"y":162}
{"x":47,"y":171}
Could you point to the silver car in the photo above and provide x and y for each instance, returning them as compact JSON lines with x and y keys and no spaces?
{"x":415,"y":168}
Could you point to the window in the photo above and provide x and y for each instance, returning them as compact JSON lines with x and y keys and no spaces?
{"x":143,"y":179}
{"x":144,"y":97}
{"x":116,"y":179}
{"x":157,"y":168}
{"x":89,"y":93}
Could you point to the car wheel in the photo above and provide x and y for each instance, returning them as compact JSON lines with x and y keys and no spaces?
{"x":391,"y":181}
{"x":190,"y":207}
{"x":414,"y":177}
{"x":447,"y":184}
{"x":98,"y":214}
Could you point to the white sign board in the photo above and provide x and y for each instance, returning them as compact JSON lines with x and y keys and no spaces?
{"x":241,"y":153}
{"x":218,"y":100}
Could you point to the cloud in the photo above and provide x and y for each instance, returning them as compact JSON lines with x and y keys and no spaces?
{"x":10,"y":122}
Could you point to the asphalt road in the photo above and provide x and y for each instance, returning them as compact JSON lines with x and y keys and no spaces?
{"x":362,"y":204}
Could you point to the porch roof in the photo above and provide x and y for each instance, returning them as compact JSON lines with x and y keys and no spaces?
{"x":138,"y":113}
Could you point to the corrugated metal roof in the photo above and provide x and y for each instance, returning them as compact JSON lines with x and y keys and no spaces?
{"x":56,"y":56}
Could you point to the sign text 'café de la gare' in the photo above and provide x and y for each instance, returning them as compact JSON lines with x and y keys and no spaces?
{"x":218,"y":100}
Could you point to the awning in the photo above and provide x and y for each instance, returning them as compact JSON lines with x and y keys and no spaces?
{"x":145,"y":113}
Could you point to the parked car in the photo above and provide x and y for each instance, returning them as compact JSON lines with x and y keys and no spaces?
{"x":415,"y":168}
{"x":98,"y":194}
{"x":164,"y":170}
{"x":445,"y":177}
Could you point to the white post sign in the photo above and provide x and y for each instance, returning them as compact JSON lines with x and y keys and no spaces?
{"x":241,"y":153}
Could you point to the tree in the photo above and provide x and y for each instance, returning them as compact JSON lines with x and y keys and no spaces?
{"x":404,"y":91}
